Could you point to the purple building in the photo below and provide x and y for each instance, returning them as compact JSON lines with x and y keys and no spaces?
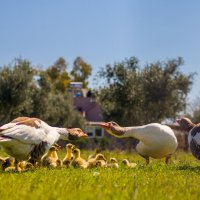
{"x":86,"y":104}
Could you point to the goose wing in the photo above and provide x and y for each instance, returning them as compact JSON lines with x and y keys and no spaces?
{"x":29,"y":132}
{"x":20,"y":119}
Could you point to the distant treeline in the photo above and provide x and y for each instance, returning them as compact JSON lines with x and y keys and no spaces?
{"x":128,"y":93}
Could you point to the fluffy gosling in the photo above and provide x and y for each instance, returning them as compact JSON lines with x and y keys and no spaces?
{"x":92,"y":161}
{"x":24,"y":165}
{"x":101,"y":163}
{"x":78,"y":162}
{"x":128,"y":164}
{"x":69,"y":155}
{"x":97,"y":151}
{"x":113,"y":163}
{"x":50,"y":159}
{"x":8,"y":164}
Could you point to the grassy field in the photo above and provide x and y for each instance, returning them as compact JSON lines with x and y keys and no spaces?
{"x":178,"y":180}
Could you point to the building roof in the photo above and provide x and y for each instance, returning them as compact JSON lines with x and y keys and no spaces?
{"x":89,"y":108}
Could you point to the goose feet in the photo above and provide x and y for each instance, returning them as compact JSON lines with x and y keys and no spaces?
{"x":167,"y":159}
{"x":146,"y":158}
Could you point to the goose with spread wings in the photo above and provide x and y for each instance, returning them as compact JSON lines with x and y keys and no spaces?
{"x":30,"y":138}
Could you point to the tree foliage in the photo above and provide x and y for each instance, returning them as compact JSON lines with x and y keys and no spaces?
{"x":25,"y":91}
{"x":58,"y":75}
{"x":196,"y":116}
{"x":81,"y":71}
{"x":16,"y":89}
{"x":133,"y":95}
{"x":54,"y":106}
{"x":193,"y":110}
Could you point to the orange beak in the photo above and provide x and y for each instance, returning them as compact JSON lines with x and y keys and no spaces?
{"x":178,"y":121}
{"x":105,"y":125}
{"x":76,"y":133}
{"x":84,"y":135}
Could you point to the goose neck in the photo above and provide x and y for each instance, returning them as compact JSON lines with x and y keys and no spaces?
{"x":134,"y":131}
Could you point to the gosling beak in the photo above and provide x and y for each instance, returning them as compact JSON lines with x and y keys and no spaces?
{"x":105,"y":125}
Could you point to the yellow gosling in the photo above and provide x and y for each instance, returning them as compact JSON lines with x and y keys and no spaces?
{"x":128,"y":164}
{"x":78,"y":162}
{"x":92,"y":161}
{"x":101,"y":163}
{"x":3,"y":160}
{"x":69,"y":155}
{"x":8,"y":164}
{"x":54,"y":154}
{"x":50,"y":158}
{"x":24,"y":165}
{"x":97,"y":151}
{"x":59,"y":163}
{"x":113,"y":163}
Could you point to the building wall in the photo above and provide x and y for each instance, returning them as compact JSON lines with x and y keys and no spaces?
{"x":90,"y":108}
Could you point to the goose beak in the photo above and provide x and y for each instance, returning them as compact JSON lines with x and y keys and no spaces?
{"x":178,"y":121}
{"x":105,"y":125}
{"x":75,"y":133}
{"x":84,"y":135}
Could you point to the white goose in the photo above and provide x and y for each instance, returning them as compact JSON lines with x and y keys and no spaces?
{"x":193,"y":135}
{"x":29,"y":138}
{"x":155,"y":140}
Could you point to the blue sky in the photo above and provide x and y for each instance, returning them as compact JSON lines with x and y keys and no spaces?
{"x":102,"y":32}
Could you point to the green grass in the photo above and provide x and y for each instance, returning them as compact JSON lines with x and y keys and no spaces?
{"x":178,"y":180}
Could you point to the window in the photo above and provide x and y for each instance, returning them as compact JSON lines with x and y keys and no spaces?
{"x":93,"y":131}
{"x":90,"y":131}
{"x":98,"y":132}
{"x":90,"y":134}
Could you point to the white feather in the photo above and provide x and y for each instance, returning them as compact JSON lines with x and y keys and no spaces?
{"x":18,"y":140}
{"x":197,"y":138}
{"x":156,"y":140}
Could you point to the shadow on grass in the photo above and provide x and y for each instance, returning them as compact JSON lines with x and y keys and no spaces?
{"x":189,"y":167}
